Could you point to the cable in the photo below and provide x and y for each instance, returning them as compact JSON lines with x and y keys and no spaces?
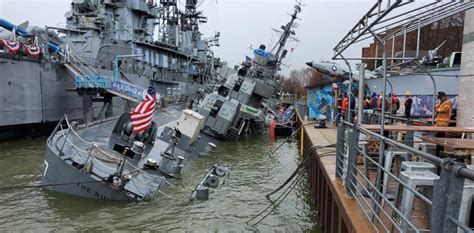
{"x":289,"y":138}
{"x":275,"y":205}
{"x":305,"y":160}
{"x":293,"y":174}
{"x":292,"y":184}
{"x":48,"y":185}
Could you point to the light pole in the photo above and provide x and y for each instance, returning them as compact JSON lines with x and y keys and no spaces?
{"x":116,"y":71}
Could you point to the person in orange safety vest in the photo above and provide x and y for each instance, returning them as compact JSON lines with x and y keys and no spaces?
{"x":443,"y":110}
{"x":345,"y":106}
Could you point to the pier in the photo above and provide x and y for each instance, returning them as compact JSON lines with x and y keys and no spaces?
{"x":374,"y":170}
{"x":336,"y":211}
{"x":343,"y":187}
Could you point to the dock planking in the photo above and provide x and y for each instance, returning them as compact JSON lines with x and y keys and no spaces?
{"x":337,"y":211}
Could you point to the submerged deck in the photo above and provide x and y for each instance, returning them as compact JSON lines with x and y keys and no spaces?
{"x":337,"y":212}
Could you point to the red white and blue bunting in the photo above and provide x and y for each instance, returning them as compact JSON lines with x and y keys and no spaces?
{"x":32,"y":50}
{"x":12,"y":46}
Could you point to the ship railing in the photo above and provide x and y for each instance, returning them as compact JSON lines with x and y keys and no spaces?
{"x":86,"y":81}
{"x":65,"y":134}
{"x":374,"y":116}
{"x":365,"y":162}
{"x":86,"y":68}
{"x":87,"y":76}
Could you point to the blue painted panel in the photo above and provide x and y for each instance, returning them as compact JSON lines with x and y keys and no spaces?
{"x":320,"y":101}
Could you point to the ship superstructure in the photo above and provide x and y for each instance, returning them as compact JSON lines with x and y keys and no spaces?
{"x":146,"y":42}
{"x":247,"y":96}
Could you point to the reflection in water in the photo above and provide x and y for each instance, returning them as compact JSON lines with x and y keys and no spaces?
{"x":254,"y":174}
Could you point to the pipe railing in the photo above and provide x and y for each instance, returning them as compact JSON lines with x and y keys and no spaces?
{"x":386,"y":215}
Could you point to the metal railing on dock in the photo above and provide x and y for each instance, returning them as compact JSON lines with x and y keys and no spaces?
{"x":387,"y":194}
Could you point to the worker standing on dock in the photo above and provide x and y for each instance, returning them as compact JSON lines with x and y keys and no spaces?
{"x":394,"y":103}
{"x":345,"y":106}
{"x":353,"y":107}
{"x":408,"y":103}
{"x":443,"y":110}
{"x":443,"y":115}
{"x":379,"y":102}
{"x":373,"y":101}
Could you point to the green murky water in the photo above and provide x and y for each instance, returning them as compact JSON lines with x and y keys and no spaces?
{"x":254,"y":174}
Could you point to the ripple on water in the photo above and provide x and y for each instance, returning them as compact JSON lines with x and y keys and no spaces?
{"x":254,"y":174}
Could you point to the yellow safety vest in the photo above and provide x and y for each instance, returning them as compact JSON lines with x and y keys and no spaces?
{"x":443,"y":111}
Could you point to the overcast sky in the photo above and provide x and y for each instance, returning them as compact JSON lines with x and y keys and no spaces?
{"x":241,"y":22}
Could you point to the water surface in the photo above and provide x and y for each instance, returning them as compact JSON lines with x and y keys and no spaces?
{"x":254,"y":174}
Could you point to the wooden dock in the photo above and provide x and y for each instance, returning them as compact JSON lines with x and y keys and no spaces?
{"x":337,"y":212}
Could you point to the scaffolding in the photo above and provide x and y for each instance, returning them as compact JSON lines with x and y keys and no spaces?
{"x":386,"y":20}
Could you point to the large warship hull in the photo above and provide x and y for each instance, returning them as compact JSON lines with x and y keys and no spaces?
{"x":72,"y":181}
{"x":33,"y":97}
{"x":42,"y":66}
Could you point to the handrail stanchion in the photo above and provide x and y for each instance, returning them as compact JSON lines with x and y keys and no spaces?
{"x":340,"y":150}
{"x":352,"y":161}
{"x":65,"y":140}
{"x":349,"y":113}
{"x":382,"y":117}
{"x":447,"y":195}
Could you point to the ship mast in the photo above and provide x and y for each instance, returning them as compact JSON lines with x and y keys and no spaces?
{"x":288,"y":31}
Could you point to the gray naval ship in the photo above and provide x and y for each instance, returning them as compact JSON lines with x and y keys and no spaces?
{"x":106,"y":160}
{"x":149,"y":42}
{"x":246,"y":98}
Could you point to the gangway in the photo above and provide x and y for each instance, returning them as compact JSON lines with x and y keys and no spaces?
{"x":86,"y":78}
{"x":89,"y":80}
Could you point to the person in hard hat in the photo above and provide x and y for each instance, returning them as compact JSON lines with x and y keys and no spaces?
{"x":393,"y":103}
{"x":408,"y":103}
{"x":443,"y":110}
{"x":442,"y":117}
{"x":373,"y":101}
{"x":379,"y":102}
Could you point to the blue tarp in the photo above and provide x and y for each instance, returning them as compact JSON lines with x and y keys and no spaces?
{"x":262,"y":52}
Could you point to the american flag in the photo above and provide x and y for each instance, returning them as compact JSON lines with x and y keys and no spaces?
{"x":142,"y":115}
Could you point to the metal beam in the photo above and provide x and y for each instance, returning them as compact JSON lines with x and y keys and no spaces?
{"x":364,"y":25}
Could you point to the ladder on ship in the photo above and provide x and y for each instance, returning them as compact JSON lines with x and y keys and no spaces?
{"x":89,"y":81}
{"x":233,"y":134}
